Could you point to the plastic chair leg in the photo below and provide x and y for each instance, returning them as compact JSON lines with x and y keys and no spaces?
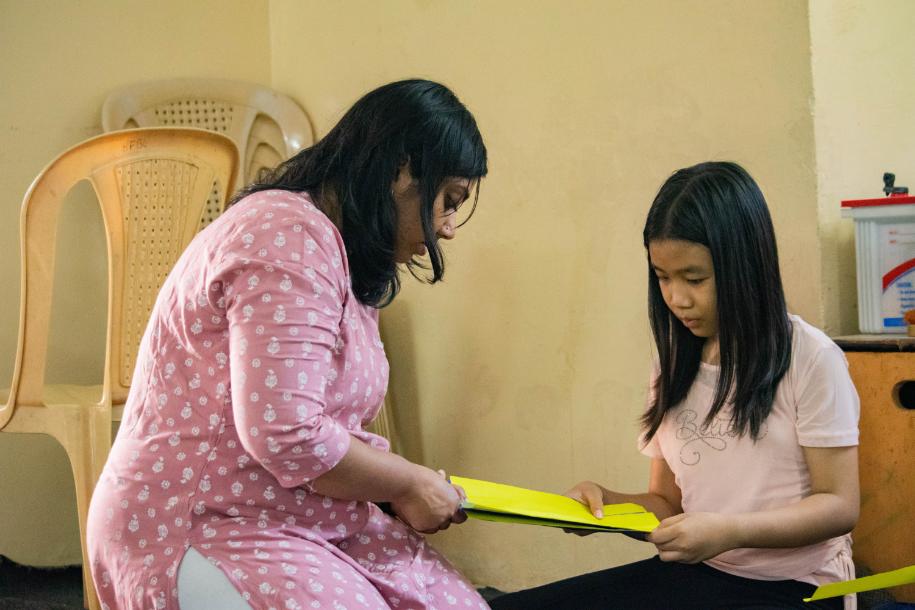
{"x":87,"y":450}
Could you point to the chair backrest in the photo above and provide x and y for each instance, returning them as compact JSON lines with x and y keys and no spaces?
{"x":267,"y":126}
{"x":152,"y":185}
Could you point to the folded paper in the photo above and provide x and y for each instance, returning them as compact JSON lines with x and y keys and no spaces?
{"x":508,"y":504}
{"x":884,"y":580}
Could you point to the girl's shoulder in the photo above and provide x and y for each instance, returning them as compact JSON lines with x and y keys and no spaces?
{"x":808,"y":334}
{"x":809,"y":345}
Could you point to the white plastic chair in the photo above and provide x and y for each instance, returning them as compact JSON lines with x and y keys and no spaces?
{"x":152,"y":186}
{"x":268,"y":127}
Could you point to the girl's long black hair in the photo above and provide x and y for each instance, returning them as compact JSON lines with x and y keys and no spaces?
{"x":411,"y":121}
{"x":718,"y":205}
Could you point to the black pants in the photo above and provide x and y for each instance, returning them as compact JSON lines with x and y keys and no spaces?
{"x":657,"y":585}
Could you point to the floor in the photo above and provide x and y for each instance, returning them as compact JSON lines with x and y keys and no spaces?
{"x":24,"y":588}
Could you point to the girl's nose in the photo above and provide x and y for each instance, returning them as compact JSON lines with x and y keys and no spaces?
{"x":680,"y":299}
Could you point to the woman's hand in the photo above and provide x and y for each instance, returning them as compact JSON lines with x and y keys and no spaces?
{"x":430,"y":503}
{"x":694,"y":537}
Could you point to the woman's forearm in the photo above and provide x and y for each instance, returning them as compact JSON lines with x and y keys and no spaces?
{"x":368,"y":474}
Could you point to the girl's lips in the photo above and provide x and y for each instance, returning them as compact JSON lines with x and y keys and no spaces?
{"x":688,"y":323}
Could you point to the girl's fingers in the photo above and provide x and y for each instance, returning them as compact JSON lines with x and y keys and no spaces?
{"x":661,"y":535}
{"x":577,"y":532}
{"x":675,"y":519}
{"x":595,"y":501}
{"x":575,"y":494}
{"x":670,"y":556}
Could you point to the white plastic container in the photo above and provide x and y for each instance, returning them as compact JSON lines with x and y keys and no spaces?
{"x":885,"y":251}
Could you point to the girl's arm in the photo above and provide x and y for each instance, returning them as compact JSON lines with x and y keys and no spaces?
{"x":663,"y":497}
{"x":830,"y":510}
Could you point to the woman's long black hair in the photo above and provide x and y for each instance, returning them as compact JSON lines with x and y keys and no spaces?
{"x":718,"y":205}
{"x":411,"y":121}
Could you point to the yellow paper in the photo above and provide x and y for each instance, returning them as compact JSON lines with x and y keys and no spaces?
{"x":497,"y":502}
{"x":884,"y":580}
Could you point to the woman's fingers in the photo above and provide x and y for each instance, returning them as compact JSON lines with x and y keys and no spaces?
{"x":461,"y":492}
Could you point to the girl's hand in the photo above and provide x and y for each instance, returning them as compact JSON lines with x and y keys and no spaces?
{"x":693,"y":537}
{"x":591,"y":495}
{"x":431,"y":503}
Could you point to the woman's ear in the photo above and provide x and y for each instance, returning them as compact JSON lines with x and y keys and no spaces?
{"x":404,"y":181}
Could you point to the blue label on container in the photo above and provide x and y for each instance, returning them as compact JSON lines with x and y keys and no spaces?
{"x":893,"y":322}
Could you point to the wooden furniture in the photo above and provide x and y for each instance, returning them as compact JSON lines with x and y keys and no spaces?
{"x":883,"y":370}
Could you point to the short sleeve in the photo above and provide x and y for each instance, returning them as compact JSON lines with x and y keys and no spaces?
{"x":651,"y":448}
{"x":827,"y":402}
{"x":284,"y":286}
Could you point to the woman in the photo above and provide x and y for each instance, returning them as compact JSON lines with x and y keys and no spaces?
{"x":243,"y":437}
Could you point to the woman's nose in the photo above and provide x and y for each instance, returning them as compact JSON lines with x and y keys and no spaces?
{"x":447,"y":230}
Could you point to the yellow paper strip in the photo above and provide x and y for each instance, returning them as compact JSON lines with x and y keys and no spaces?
{"x":884,"y":580}
{"x":507,"y":518}
{"x":510,"y":500}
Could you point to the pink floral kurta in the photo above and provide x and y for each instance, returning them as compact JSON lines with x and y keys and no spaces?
{"x":257,"y":369}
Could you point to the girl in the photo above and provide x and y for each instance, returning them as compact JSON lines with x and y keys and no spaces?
{"x":242,"y":475}
{"x":751,"y":423}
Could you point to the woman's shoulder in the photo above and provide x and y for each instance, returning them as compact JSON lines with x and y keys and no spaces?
{"x":278,"y":205}
{"x":281,"y":225}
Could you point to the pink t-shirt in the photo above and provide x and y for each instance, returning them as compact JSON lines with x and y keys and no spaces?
{"x":815,"y":405}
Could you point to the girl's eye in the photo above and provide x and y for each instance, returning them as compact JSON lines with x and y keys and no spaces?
{"x":695,"y":282}
{"x":663,"y":279}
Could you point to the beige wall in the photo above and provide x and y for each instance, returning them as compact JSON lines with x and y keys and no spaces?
{"x":863,"y":57}
{"x":528,"y":364}
{"x":58,"y":61}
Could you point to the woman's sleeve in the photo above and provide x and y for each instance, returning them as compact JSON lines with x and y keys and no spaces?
{"x":827,"y":402}
{"x":284,"y":306}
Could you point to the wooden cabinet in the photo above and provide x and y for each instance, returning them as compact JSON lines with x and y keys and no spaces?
{"x":884,"y":538}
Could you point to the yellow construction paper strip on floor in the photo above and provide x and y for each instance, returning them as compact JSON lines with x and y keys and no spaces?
{"x":884,"y":580}
{"x":518,"y":501}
